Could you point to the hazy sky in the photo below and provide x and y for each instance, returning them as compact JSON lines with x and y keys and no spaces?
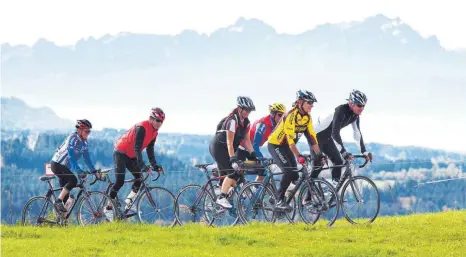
{"x":65,"y":22}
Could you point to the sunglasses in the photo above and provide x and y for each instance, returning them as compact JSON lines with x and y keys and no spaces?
{"x":360,"y":105}
{"x":159,"y":120}
{"x":279,"y":115}
{"x":87,"y":131}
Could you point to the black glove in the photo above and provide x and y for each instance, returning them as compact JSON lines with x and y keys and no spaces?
{"x":157,"y":168}
{"x":252,"y":156}
{"x":97,"y":173}
{"x":321,"y":158}
{"x":233,"y":159}
{"x":347,"y":156}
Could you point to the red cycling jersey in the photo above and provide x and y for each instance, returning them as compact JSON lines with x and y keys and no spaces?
{"x":126,"y":143}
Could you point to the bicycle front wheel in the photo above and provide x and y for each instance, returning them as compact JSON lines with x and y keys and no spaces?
{"x":38,"y":211}
{"x":360,"y":200}
{"x":189,"y":205}
{"x":92,"y":208}
{"x":155,"y":206}
{"x":320,"y":202}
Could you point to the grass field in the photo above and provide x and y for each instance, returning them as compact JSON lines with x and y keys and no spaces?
{"x":439,"y":234}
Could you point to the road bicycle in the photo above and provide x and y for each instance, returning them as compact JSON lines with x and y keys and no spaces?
{"x":257,"y":199}
{"x":40,"y":210}
{"x":152,"y":204}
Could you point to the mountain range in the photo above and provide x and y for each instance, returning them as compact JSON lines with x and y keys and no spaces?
{"x":410,"y":80}
{"x":374,"y":38}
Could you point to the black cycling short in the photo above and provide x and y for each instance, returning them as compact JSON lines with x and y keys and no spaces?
{"x":66,"y":178}
{"x":221,"y":156}
{"x":328,"y":147}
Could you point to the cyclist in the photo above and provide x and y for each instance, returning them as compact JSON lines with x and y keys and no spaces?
{"x":282,"y":142}
{"x":328,"y":133}
{"x":65,"y":160}
{"x":260,"y":132}
{"x":128,"y":153}
{"x":231,"y":130}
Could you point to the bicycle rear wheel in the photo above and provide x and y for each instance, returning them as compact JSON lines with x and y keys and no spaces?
{"x":38,"y":211}
{"x":92,"y":208}
{"x":318,"y":205}
{"x":155,"y":206}
{"x":256,"y":203}
{"x":362,"y":193}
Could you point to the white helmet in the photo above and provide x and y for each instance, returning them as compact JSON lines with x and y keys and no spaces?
{"x":245,"y":102}
{"x":357,"y":97}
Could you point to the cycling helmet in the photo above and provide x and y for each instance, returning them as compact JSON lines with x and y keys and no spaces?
{"x":357,"y":97}
{"x":84,"y":124}
{"x":306,"y":96}
{"x":157,"y":113}
{"x":245,"y":102}
{"x":277,"y":107}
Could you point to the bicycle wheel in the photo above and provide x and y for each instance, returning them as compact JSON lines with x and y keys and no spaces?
{"x":189,"y":205}
{"x":155,"y":206}
{"x":218,"y":215}
{"x":256,"y":203}
{"x":360,"y":192}
{"x":319,"y":205}
{"x":38,"y":211}
{"x":91,"y":208}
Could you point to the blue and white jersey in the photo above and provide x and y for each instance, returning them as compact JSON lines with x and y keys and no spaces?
{"x":71,"y":150}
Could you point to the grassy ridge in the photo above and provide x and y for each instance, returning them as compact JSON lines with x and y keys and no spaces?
{"x":439,"y":234}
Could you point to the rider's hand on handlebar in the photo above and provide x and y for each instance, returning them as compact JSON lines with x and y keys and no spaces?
{"x":301,"y":159}
{"x":252,"y":156}
{"x":347,"y":156}
{"x":97,"y":173}
{"x":322,"y":158}
{"x":368,"y":156}
{"x":158,"y":168}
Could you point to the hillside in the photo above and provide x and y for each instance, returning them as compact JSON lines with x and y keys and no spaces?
{"x":440,"y":234}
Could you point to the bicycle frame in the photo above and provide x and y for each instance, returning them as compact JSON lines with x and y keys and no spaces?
{"x":50,"y":196}
{"x":143,"y":189}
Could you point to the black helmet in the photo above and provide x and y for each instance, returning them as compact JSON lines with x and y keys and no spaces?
{"x":306,"y":96}
{"x":83,"y":124}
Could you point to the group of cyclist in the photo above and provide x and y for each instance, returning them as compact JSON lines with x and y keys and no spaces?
{"x":236,"y":139}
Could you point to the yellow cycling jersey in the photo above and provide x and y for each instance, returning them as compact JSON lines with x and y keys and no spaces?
{"x":292,"y":126}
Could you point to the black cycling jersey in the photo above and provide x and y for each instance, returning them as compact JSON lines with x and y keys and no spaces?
{"x":330,"y":127}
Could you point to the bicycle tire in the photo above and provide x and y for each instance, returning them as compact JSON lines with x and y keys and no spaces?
{"x":345,"y":186}
{"x":30,"y":201}
{"x":173,"y":221}
{"x":201,"y":201}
